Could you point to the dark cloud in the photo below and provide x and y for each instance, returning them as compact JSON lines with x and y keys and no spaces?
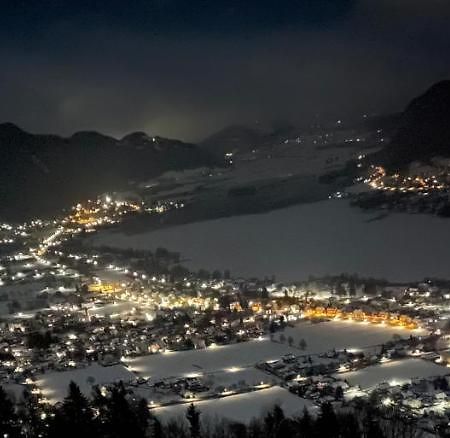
{"x":184,"y":71}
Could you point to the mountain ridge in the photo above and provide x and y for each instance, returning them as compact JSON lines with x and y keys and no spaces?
{"x":42,"y":173}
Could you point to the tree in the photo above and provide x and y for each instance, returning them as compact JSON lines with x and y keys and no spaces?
{"x":8,"y":418}
{"x":287,"y":429}
{"x":143,"y":415}
{"x":74,"y":418}
{"x":370,"y":288}
{"x":339,"y":393}
{"x":340,"y":290}
{"x":31,"y":416}
{"x":349,"y":426}
{"x":174,"y":429}
{"x":273,"y":420}
{"x":306,"y":424}
{"x":193,"y":417}
{"x":155,"y":428}
{"x":371,"y":426}
{"x":351,"y":288}
{"x":327,"y":424}
{"x":217,"y":275}
{"x":238,"y":430}
{"x":255,"y":429}
{"x":121,"y":419}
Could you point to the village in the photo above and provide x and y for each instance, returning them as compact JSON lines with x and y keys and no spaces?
{"x":98,"y":315}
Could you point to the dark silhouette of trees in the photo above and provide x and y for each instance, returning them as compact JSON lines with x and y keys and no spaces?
{"x":9,"y":426}
{"x":117,"y":413}
{"x":74,"y":418}
{"x":193,"y":417}
{"x":40,"y":340}
{"x":306,"y":424}
{"x":339,"y":393}
{"x":327,"y":424}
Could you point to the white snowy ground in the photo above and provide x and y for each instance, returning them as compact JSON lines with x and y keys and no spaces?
{"x":231,"y":380}
{"x":111,"y":309}
{"x":395,"y":372}
{"x":242,"y":407}
{"x":319,"y":338}
{"x":326,"y":237}
{"x":232,"y":376}
{"x":322,"y":337}
{"x":220,"y":358}
{"x":54,"y":385}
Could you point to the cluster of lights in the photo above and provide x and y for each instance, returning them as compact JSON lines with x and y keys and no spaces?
{"x":393,"y":319}
{"x":380,"y":180}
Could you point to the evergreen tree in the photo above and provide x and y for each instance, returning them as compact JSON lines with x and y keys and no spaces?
{"x":32,"y":416}
{"x":121,"y":420}
{"x":237,"y":430}
{"x":174,"y":429}
{"x":193,"y":417}
{"x":155,"y":427}
{"x":287,"y":429}
{"x":352,"y":288}
{"x":339,"y":393}
{"x":306,"y":424}
{"x":349,"y":426}
{"x":371,"y":426}
{"x":74,"y":418}
{"x":143,"y":416}
{"x":8,"y":418}
{"x":327,"y":424}
{"x":272,"y":421}
{"x":255,"y":429}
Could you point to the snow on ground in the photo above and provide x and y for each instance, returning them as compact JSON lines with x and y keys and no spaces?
{"x":112,"y":309}
{"x":233,"y":376}
{"x":395,"y":372}
{"x":310,"y":239}
{"x":235,"y":379}
{"x":319,"y":338}
{"x":54,"y":385}
{"x":242,"y":407}
{"x":322,"y":337}
{"x":219,"y":358}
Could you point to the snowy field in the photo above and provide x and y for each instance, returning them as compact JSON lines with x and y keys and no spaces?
{"x":396,"y":372}
{"x":235,"y":379}
{"x":326,"y":237}
{"x":111,"y":309}
{"x":319,"y":338}
{"x":242,"y":407}
{"x":54,"y":385}
{"x":220,"y":358}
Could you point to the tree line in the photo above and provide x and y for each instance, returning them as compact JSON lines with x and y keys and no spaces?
{"x":116,"y":413}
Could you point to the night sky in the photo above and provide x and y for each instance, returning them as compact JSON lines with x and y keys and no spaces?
{"x":185,"y":68}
